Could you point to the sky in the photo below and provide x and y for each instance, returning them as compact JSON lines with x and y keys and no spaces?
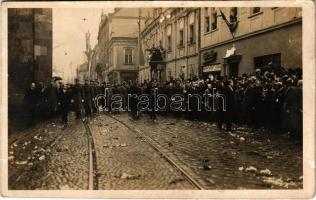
{"x":69,"y":44}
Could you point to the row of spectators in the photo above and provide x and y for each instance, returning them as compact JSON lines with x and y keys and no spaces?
{"x":262,"y":99}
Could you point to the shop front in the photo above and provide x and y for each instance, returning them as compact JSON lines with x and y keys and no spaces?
{"x":213,"y":70}
{"x":128,"y":76}
{"x":231,"y":64}
{"x":278,"y":49}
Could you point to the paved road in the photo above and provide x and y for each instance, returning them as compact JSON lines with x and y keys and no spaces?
{"x":126,"y":162}
{"x":241,"y":159}
{"x":49,"y":156}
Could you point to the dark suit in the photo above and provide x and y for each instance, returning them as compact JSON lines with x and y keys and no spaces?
{"x":77,"y":94}
{"x":64,"y":104}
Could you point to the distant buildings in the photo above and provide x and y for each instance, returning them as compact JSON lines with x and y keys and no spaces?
{"x":29,"y":50}
{"x":117,"y":47}
{"x":176,"y":31}
{"x":197,"y":42}
{"x":263,"y":36}
{"x":83,"y":72}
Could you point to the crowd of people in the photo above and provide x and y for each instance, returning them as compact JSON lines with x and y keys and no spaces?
{"x":263,"y":99}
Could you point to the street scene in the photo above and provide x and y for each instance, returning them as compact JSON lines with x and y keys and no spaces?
{"x":199,"y":98}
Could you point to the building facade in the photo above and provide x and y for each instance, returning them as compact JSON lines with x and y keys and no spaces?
{"x":264,"y":36}
{"x":118,"y":51}
{"x":197,"y":42}
{"x":29,"y":51}
{"x":176,"y":32}
{"x":83,"y":72}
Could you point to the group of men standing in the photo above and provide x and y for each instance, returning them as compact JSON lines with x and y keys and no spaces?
{"x":59,"y":99}
{"x":262,"y":99}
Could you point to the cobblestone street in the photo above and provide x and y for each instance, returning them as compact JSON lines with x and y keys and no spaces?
{"x":49,"y":156}
{"x":171,"y":153}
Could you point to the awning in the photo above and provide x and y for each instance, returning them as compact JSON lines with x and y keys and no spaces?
{"x":212,"y":68}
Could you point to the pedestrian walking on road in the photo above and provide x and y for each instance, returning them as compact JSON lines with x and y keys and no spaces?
{"x":64,"y":104}
{"x":87,"y":99}
{"x":31,"y":101}
{"x":77,"y":98}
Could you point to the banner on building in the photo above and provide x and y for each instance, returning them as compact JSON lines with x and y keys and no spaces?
{"x":212,"y":68}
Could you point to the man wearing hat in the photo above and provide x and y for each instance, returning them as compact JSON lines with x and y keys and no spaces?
{"x":226,"y":109}
{"x":293,"y":109}
{"x":51,"y":93}
{"x":278,"y":100}
{"x":76,"y":98}
{"x":87,"y":97}
{"x":64,"y":103}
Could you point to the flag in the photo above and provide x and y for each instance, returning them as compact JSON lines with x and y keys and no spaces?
{"x":231,"y":26}
{"x":224,"y":18}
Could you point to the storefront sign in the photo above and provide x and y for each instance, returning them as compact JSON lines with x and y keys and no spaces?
{"x":209,"y":56}
{"x":212,"y":68}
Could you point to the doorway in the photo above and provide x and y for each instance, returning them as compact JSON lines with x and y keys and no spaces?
{"x":232,"y":63}
{"x":233,"y":69}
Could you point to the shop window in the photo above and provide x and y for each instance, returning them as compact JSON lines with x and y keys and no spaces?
{"x":128,"y":56}
{"x":268,"y":60}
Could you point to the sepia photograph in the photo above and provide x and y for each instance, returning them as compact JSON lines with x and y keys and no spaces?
{"x":164,"y":96}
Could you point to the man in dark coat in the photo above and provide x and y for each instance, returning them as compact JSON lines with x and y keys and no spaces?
{"x":293,"y":110}
{"x":134,"y":91}
{"x":42,"y":102}
{"x":226,"y":108}
{"x":278,"y":100}
{"x":76,"y":98}
{"x":31,"y":101}
{"x":87,"y":99}
{"x":64,"y":104}
{"x":94,"y":93}
{"x":116,"y":99}
{"x":51,"y":96}
{"x":151,"y":91}
{"x":252,"y":102}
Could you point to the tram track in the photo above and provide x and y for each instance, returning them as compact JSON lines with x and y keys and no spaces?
{"x":93,"y":175}
{"x":159,"y":150}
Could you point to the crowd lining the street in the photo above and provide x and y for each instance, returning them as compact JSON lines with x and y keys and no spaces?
{"x":263,"y":99}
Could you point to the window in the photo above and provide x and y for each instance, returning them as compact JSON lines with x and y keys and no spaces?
{"x":169,"y":39}
{"x":214,"y":19}
{"x":207,"y":24}
{"x":191,"y":34}
{"x":266,"y":60}
{"x":169,"y":42}
{"x":128,"y":56}
{"x":255,"y":10}
{"x":181,"y":38}
{"x":233,"y":15}
{"x":157,"y":12}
